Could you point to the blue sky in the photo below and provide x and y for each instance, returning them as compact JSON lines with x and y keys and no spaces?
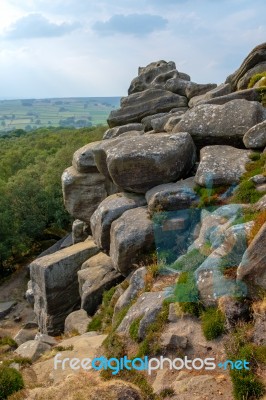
{"x":65,"y":48}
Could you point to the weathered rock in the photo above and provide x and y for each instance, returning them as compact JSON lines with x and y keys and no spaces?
{"x":33,"y":349}
{"x":248,"y":94}
{"x":98,"y":276}
{"x":256,"y":56}
{"x":158,"y":124}
{"x":173,"y":342}
{"x":83,"y":192}
{"x":225,"y":124}
{"x":83,"y":158}
{"x":187,"y":89}
{"x":261,"y":204}
{"x":244,"y":81}
{"x":68,"y":241}
{"x":136,"y":284}
{"x":234,"y":311}
{"x":119,"y":130}
{"x":55,"y":285}
{"x":146,"y":121}
{"x":6,"y":307}
{"x":80,"y":231}
{"x":147,"y":308}
{"x":252,"y":269}
{"x":255,"y":137}
{"x":258,"y":179}
{"x":172,"y":196}
{"x":77,"y":321}
{"x":29,"y":293}
{"x":24,"y":335}
{"x":131,"y":237}
{"x":138,"y":105}
{"x":219,"y":91}
{"x":108,"y":211}
{"x":221,"y":165}
{"x":46,"y":339}
{"x":141,"y":163}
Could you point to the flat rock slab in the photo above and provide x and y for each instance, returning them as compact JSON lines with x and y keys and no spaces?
{"x":221,"y":165}
{"x":33,"y":349}
{"x":5,"y":308}
{"x":55,"y":285}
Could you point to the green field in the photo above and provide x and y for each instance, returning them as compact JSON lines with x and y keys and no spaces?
{"x":73,"y":112}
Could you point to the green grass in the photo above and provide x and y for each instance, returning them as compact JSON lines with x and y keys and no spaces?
{"x":8,"y":341}
{"x":213,"y":323}
{"x":11,"y":381}
{"x":255,"y":78}
{"x":134,"y":329}
{"x":105,"y":313}
{"x":189,"y":261}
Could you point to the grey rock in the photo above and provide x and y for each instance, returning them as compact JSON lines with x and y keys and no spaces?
{"x":221,"y":124}
{"x":172,"y":342}
{"x":219,"y":91}
{"x":68,"y":241}
{"x":252,"y":269}
{"x":77,"y":321}
{"x":255,"y":137}
{"x":108,"y":211}
{"x":258,"y":179}
{"x":24,"y":335}
{"x":138,"y":105}
{"x":147,"y":307}
{"x":141,"y":163}
{"x":97,"y":275}
{"x":244,"y":81}
{"x":255,"y":57}
{"x":136,"y":284}
{"x":46,"y":339}
{"x":248,"y":94}
{"x":221,"y":165}
{"x":83,"y":192}
{"x":80,"y":231}
{"x":33,"y":349}
{"x":259,"y":317}
{"x":261,"y":204}
{"x":30,"y":325}
{"x":187,"y":89}
{"x":119,"y":130}
{"x":146,"y":121}
{"x":55,"y":285}
{"x":29,"y":293}
{"x":234,"y":311}
{"x":131,"y":237}
{"x":83,"y":158}
{"x":6,"y":308}
{"x":158,"y":124}
{"x":172,"y":196}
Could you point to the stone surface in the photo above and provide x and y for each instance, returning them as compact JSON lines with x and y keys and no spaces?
{"x":108,"y":211}
{"x":255,"y":57}
{"x":136,"y":284}
{"x":255,"y":137}
{"x":172,"y":196}
{"x":46,"y":339}
{"x":6,"y":307}
{"x":138,"y":105}
{"x":29,"y":293}
{"x":234,"y":311}
{"x":83,"y":158}
{"x":83,"y":192}
{"x":141,"y":163}
{"x":80,"y":231}
{"x":77,"y":321}
{"x":259,"y":316}
{"x":173,"y":342}
{"x":33,"y":349}
{"x":24,"y":335}
{"x":221,"y":165}
{"x":158,"y":124}
{"x":55,"y":285}
{"x":220,"y":90}
{"x":131,"y":237}
{"x":244,"y":81}
{"x":147,"y":307}
{"x":146,"y":121}
{"x":119,"y":130}
{"x":252,"y":269}
{"x":221,"y":124}
{"x":248,"y":94}
{"x":98,"y":276}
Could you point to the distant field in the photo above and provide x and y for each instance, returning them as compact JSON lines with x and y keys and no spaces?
{"x":68,"y":112}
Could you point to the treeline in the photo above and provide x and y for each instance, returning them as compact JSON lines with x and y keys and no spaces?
{"x":31,"y":201}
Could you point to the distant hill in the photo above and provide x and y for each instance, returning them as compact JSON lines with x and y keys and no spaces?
{"x":72,"y":112}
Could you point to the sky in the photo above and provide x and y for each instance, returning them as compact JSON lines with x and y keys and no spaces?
{"x":84,"y":48}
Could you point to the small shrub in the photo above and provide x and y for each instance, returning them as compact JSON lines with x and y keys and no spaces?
{"x":10,"y":381}
{"x":63,"y":348}
{"x":247,"y":193}
{"x":213,"y":323}
{"x":134,"y":329}
{"x":104,"y":316}
{"x":95,"y":324}
{"x":8,"y":341}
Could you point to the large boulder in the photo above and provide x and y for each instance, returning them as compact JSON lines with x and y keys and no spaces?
{"x":55,"y":285}
{"x":256,"y":56}
{"x":119,"y":130}
{"x":77,"y":321}
{"x":172,"y":196}
{"x":138,"y":105}
{"x":221,"y":124}
{"x":221,"y":165}
{"x":108,"y":211}
{"x":146,"y":308}
{"x":83,"y":158}
{"x":252,"y":269}
{"x":188,"y":89}
{"x":131,"y":238}
{"x":96,"y":276}
{"x":220,"y":90}
{"x":255,"y":137}
{"x":138,"y":164}
{"x":83,"y":192}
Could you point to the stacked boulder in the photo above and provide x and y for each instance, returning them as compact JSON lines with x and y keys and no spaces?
{"x":168,"y":135}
